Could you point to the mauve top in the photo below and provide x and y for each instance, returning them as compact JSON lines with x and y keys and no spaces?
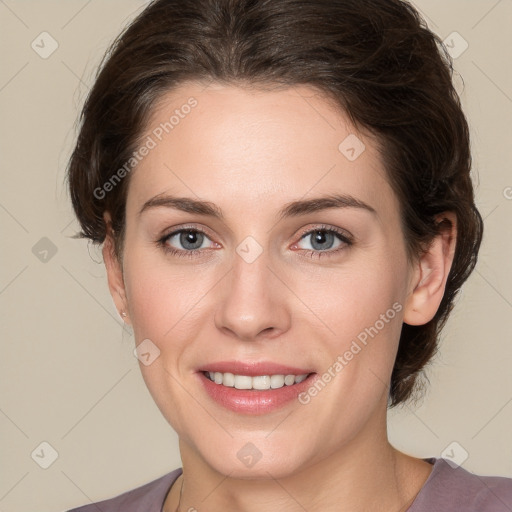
{"x":447,"y":489}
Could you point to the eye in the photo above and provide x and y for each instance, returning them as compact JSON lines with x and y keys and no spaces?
{"x":324,"y":239}
{"x":189,"y":241}
{"x":185,"y":242}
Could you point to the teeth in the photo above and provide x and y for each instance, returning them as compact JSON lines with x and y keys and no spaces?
{"x":260,"y":382}
{"x":289,"y":380}
{"x":276,"y":381}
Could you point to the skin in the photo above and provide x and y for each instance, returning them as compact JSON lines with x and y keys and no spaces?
{"x":251,"y":152}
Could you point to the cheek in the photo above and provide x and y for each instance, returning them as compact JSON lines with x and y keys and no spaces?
{"x":350,"y":299}
{"x":360,"y":310}
{"x":164,"y":302}
{"x":161,"y":296}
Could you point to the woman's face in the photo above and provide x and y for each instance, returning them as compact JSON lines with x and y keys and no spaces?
{"x":318,"y":287}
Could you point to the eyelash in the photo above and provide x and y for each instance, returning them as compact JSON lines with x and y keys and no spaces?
{"x":342,"y":236}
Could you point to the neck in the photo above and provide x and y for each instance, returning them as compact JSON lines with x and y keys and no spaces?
{"x":367,"y":474}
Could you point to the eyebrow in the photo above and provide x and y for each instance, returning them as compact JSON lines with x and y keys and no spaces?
{"x":292,"y":209}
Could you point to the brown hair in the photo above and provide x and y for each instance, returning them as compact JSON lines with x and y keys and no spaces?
{"x":375,"y":58}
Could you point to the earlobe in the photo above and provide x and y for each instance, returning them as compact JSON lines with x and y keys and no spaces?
{"x":114,"y":272}
{"x":431,"y":273}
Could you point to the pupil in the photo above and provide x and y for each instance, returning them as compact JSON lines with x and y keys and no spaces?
{"x":319,"y":236}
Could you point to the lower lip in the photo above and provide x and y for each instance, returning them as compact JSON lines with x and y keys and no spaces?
{"x":248,"y":401}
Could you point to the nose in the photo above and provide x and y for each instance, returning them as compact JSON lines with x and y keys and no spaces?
{"x":253,"y":301}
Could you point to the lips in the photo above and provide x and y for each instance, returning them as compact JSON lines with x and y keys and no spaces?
{"x":253,"y":369}
{"x":252,"y":401}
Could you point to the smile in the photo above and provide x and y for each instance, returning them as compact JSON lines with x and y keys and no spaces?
{"x":258,"y":382}
{"x":254,"y":394}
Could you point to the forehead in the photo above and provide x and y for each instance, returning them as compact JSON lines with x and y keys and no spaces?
{"x":243,"y":148}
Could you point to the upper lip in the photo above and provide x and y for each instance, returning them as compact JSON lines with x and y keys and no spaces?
{"x":253,"y":369}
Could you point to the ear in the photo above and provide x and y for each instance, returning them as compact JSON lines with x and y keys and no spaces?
{"x":114,"y":272}
{"x":431,"y":273}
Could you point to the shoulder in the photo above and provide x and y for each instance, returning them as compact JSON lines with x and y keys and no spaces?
{"x":450,"y":487}
{"x":148,"y":497}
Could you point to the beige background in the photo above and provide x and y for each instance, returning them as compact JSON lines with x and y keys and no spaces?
{"x":68,"y":373}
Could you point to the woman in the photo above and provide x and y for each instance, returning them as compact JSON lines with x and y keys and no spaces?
{"x":282,"y":190}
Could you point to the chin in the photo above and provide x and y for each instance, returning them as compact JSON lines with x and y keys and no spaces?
{"x":258,"y":460}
